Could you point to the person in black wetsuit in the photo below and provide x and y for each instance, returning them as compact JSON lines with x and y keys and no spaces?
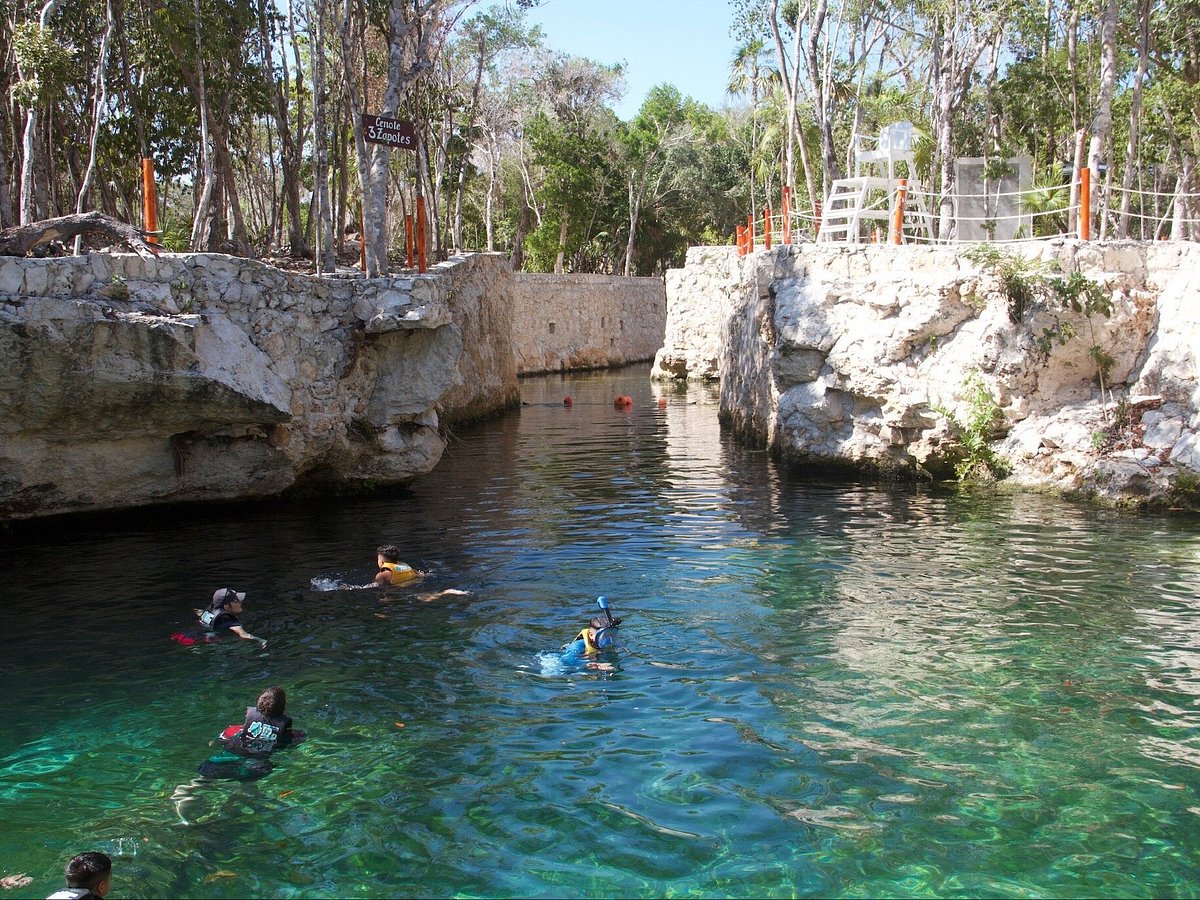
{"x":89,"y":877}
{"x":247,"y":750}
{"x":221,"y":616}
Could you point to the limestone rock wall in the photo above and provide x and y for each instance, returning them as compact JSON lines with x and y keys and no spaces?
{"x":126,"y":382}
{"x":563,"y":322}
{"x":861,"y":357}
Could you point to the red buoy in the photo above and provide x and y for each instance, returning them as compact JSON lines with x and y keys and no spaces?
{"x":662,"y":402}
{"x":567,"y":401}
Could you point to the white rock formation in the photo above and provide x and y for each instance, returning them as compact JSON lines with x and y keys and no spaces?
{"x":859,"y":357}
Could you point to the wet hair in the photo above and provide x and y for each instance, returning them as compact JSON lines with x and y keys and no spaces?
{"x":87,"y":870}
{"x":390,"y":553}
{"x":271,"y":701}
{"x":599,"y":622}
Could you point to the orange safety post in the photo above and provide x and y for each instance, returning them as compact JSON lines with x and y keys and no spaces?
{"x":767,"y":226}
{"x":421,"y":259}
{"x":1085,"y":204}
{"x":408,"y":240}
{"x":362,"y":238}
{"x":898,"y":217}
{"x":816,"y":219}
{"x":149,"y":201}
{"x":741,"y":240}
{"x":787,"y":215}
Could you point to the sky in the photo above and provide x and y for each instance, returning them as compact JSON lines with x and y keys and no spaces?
{"x":681,"y":42}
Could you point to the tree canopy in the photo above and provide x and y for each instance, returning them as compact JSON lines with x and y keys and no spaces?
{"x":250,"y":110}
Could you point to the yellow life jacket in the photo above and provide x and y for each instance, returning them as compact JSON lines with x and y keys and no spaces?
{"x":589,"y":649}
{"x":401,"y":572}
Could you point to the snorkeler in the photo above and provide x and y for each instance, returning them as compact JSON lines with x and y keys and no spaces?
{"x":89,"y":877}
{"x":221,"y":616}
{"x":600,"y":634}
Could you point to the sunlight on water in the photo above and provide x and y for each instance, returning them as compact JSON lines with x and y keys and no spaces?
{"x":822,"y":690}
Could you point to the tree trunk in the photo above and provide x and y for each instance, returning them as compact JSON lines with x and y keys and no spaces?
{"x":324,"y":257}
{"x":562,"y":241}
{"x":1102,"y":124}
{"x":1135,"y":116}
{"x":19,"y":240}
{"x":635,"y":202}
{"x":97,"y":115}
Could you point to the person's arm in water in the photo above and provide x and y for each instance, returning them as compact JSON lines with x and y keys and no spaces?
{"x":244,"y":634}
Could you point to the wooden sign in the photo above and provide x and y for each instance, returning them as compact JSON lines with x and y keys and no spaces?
{"x":392,"y":132}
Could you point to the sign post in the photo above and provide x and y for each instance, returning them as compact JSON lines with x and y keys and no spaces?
{"x":402,"y":134}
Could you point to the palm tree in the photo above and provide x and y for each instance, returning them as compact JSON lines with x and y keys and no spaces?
{"x":751,"y":71}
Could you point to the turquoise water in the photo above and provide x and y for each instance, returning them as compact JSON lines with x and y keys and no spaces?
{"x":825,"y":690}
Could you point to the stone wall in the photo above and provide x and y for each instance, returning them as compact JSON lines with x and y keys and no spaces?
{"x":565,"y":322}
{"x":126,"y":381}
{"x":865,"y":357}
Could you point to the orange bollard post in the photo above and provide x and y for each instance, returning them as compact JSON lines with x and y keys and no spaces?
{"x":767,"y":226}
{"x":149,"y":202}
{"x":408,"y":240}
{"x":787,"y":215}
{"x":421,"y":258}
{"x":1085,"y":204}
{"x":816,"y":219}
{"x":898,"y":216}
{"x":362,"y":238}
{"x":741,"y":240}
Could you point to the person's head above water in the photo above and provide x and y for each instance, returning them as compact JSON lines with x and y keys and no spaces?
{"x":223,"y":597}
{"x":272,"y":701}
{"x":388,"y":553}
{"x":92,"y":871}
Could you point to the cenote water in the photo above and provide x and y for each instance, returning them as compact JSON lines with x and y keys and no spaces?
{"x":824,"y":689}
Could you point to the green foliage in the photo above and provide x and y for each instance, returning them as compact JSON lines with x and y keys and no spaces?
{"x":975,"y":459}
{"x":46,"y":63}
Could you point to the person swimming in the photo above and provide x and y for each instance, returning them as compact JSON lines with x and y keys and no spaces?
{"x":247,"y":749}
{"x":600,"y":634}
{"x":221,"y":616}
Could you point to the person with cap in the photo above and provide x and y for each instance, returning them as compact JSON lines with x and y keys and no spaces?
{"x":222,"y":615}
{"x":89,"y":876}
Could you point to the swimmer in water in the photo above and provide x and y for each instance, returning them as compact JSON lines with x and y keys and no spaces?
{"x":222,"y":615}
{"x":392,"y":572}
{"x":247,"y":749}
{"x":600,"y":634}
{"x":89,"y":877}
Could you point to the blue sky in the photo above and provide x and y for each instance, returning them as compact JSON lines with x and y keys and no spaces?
{"x":681,"y":42}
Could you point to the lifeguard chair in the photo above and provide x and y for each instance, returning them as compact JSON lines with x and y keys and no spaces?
{"x":893,"y":145}
{"x":865,"y":204}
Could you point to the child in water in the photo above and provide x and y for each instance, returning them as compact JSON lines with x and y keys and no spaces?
{"x":600,"y":634}
{"x":393,"y":572}
{"x":247,"y":750}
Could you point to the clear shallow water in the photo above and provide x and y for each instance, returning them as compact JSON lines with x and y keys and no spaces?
{"x":824,"y":691}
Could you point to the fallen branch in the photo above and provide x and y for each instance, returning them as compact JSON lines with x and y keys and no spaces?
{"x":20,"y":239}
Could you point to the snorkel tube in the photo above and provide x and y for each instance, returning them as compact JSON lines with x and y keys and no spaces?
{"x":602,"y":602}
{"x":606,"y":637}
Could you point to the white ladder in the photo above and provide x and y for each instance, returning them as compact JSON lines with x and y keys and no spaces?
{"x":855,"y":206}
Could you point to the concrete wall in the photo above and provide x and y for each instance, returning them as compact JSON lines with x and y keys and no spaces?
{"x":565,"y":322}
